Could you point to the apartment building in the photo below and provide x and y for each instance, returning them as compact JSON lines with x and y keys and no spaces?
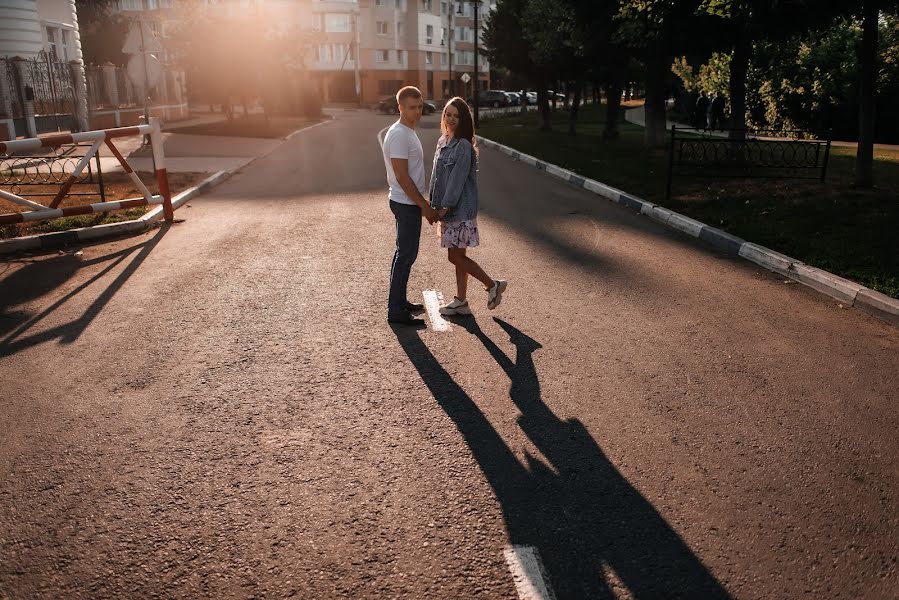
{"x":373,"y":46}
{"x":408,"y":42}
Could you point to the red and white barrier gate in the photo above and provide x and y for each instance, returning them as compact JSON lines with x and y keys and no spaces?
{"x":40,"y":212}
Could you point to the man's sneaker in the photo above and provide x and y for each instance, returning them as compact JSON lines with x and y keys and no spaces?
{"x":456,"y":307}
{"x":495,"y":294}
{"x":406,"y":319}
{"x":415,"y":309}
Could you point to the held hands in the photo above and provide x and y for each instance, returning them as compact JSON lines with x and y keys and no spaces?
{"x":434,"y":215}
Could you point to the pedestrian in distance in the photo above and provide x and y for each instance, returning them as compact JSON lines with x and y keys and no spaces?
{"x":404,"y":161}
{"x":454,"y":194}
{"x":700,"y":114}
{"x":717,"y":109}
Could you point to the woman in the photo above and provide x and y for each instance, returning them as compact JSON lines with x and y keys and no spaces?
{"x":454,"y":194}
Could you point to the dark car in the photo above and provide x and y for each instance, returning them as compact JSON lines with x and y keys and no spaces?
{"x":388,"y":106}
{"x":494,"y":98}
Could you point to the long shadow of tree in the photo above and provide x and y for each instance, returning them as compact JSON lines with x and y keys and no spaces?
{"x":37,"y":278}
{"x":580,"y":513}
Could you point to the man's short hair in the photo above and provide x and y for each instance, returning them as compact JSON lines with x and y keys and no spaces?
{"x":410,"y":91}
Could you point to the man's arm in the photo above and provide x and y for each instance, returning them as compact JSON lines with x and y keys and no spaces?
{"x":401,"y":170}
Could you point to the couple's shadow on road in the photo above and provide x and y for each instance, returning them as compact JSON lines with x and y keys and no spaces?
{"x":584,"y":518}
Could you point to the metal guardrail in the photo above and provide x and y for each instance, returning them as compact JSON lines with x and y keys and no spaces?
{"x":39,"y":212}
{"x":749,"y":154}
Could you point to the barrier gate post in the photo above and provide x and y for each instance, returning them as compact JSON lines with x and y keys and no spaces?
{"x":162,"y":178}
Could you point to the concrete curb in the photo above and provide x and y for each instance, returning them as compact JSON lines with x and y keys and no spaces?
{"x":847,"y":292}
{"x":50,"y":241}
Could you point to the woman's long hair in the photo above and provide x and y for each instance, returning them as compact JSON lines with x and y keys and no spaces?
{"x":465,"y":128}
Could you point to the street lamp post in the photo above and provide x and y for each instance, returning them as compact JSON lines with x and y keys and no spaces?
{"x":477,"y":74}
{"x":449,"y":51}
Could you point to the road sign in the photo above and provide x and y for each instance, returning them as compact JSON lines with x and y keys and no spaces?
{"x":465,"y":78}
{"x":136,"y":43}
{"x":136,"y":72}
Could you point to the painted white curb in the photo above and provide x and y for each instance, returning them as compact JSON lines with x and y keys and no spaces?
{"x":844,"y":290}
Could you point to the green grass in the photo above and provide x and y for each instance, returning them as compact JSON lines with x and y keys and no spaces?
{"x":66,"y":223}
{"x":846,"y":230}
{"x":253,"y":126}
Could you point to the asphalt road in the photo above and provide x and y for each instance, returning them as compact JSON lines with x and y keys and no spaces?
{"x":219,"y":408}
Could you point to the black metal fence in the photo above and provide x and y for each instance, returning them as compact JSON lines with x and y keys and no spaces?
{"x":746,"y":154}
{"x":45,"y":81}
{"x":41,"y":176}
{"x":48,"y":85}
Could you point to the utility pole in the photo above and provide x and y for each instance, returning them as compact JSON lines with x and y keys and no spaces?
{"x":449,"y":51}
{"x":477,"y":74}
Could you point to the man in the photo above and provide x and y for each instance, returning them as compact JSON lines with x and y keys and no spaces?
{"x":717,"y":109}
{"x":700,"y":116}
{"x":404,"y":160}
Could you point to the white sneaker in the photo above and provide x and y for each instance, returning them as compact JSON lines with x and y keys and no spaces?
{"x":456,"y":307}
{"x":495,"y":294}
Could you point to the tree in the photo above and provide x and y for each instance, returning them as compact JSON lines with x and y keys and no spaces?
{"x":507,"y":44}
{"x":102,"y":32}
{"x":657,"y":31}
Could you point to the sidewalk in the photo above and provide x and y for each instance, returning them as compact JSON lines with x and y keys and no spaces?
{"x":186,"y":153}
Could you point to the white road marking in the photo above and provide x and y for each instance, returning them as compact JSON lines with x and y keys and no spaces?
{"x":528,"y":574}
{"x":433,"y":300}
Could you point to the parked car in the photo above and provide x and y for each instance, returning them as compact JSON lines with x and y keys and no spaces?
{"x":557,"y":95}
{"x":532,"y":97}
{"x":388,"y":106}
{"x":495,"y":98}
{"x":514,"y":98}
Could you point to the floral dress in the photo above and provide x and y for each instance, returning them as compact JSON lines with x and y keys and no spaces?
{"x":458,"y":234}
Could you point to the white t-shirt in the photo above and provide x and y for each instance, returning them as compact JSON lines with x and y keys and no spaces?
{"x":402,"y":142}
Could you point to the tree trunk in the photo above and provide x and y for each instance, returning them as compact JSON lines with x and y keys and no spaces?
{"x":546,"y":123}
{"x":864,"y":158}
{"x":613,"y":109}
{"x":739,"y":64}
{"x":658,"y":65}
{"x":572,"y":120}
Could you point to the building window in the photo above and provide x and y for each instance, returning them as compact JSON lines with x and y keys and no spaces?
{"x":379,"y":2}
{"x":400,"y":28}
{"x":443,"y":58}
{"x":382,"y":55}
{"x":65,"y":44}
{"x":399,"y":56}
{"x":399,"y":4}
{"x":427,"y":5}
{"x":51,"y":42}
{"x":131,"y":5}
{"x":444,"y":8}
{"x":429,"y":58}
{"x":429,"y":34}
{"x":338,"y":23}
{"x":382,"y":27}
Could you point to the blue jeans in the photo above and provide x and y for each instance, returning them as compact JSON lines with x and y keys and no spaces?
{"x":408,"y":231}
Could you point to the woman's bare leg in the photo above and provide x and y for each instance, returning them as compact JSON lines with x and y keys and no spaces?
{"x":468,"y":267}
{"x":461,"y":282}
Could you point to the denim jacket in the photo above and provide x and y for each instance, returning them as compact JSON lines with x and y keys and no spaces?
{"x":454,"y":180}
